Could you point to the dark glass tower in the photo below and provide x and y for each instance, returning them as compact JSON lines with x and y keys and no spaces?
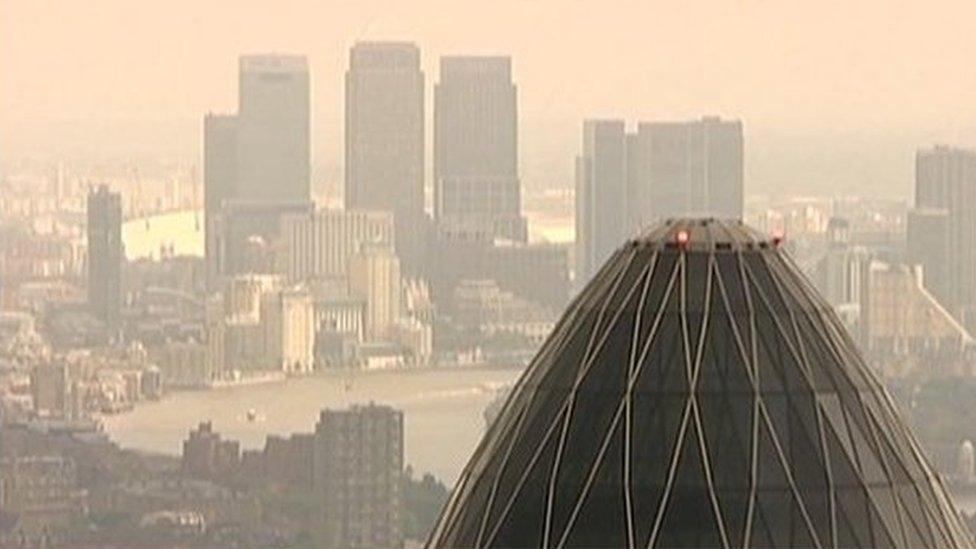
{"x":699,"y":393}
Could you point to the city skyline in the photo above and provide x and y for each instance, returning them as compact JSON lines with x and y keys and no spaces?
{"x":659,"y":273}
{"x":818,"y":116}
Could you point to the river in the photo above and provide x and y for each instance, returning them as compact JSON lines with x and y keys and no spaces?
{"x":443,"y":419}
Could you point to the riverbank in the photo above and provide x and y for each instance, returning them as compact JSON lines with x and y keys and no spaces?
{"x":443,"y":411}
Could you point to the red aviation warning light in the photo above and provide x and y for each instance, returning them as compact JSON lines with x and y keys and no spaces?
{"x":681,"y":238}
{"x":778,"y":236}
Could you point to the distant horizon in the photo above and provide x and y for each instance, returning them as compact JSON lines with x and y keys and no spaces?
{"x":833,"y":95}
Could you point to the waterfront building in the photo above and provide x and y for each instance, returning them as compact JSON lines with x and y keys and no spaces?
{"x":374,"y":275}
{"x":319,"y":244}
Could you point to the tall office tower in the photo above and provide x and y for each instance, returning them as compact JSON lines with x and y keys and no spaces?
{"x":374,"y":275}
{"x":319,"y":244}
{"x":219,"y":181}
{"x":476,"y":183}
{"x":928,"y":246}
{"x":627,"y":181}
{"x":256,"y":165}
{"x":105,"y":256}
{"x":689,"y":168}
{"x":945,"y":178}
{"x":273,"y":129}
{"x":601,"y":194}
{"x":385,"y":141}
{"x":699,"y":393}
{"x":358,"y":468}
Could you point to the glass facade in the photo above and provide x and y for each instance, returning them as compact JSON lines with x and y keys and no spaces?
{"x":699,"y":393}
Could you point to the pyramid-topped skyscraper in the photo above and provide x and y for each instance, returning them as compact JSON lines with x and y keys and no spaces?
{"x":699,"y":393}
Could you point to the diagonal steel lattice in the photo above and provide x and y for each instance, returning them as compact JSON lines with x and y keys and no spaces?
{"x":699,"y":393}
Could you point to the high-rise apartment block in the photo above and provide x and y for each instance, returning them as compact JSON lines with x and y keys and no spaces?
{"x":105,"y":256}
{"x":476,"y":181}
{"x":358,"y":472}
{"x":385,"y":141}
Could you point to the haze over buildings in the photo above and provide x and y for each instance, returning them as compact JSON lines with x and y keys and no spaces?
{"x":377,"y":203}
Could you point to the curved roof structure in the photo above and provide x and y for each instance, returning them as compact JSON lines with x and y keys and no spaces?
{"x":699,"y":393}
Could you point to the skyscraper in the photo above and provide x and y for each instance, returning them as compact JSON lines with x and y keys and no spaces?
{"x":690,"y":168}
{"x":601,"y":194}
{"x":273,"y":129}
{"x":626,"y":181}
{"x":256,"y":164}
{"x":476,"y":182}
{"x":219,"y":181}
{"x":945,"y":178}
{"x":105,"y":256}
{"x":699,"y":393}
{"x":385,"y":140}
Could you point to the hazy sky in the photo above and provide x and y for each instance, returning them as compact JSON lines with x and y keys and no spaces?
{"x":833,"y":94}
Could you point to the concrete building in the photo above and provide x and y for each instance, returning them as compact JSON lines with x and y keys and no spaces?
{"x":207,"y":456}
{"x":688,"y":168}
{"x":358,"y":474}
{"x":627,"y":181}
{"x":246,"y":235}
{"x":945,"y":178}
{"x":105,"y":256}
{"x":839,"y":273}
{"x":537,"y":272}
{"x":374,"y":275}
{"x":50,"y":385}
{"x":243,"y":295}
{"x":601,"y":195}
{"x":319,"y":244}
{"x":928,"y":246}
{"x":219,"y":181}
{"x":385,"y":141}
{"x":288,"y":322}
{"x":273,"y":129}
{"x":905,"y":330}
{"x":41,"y":494}
{"x":476,"y":181}
{"x":256,"y":164}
